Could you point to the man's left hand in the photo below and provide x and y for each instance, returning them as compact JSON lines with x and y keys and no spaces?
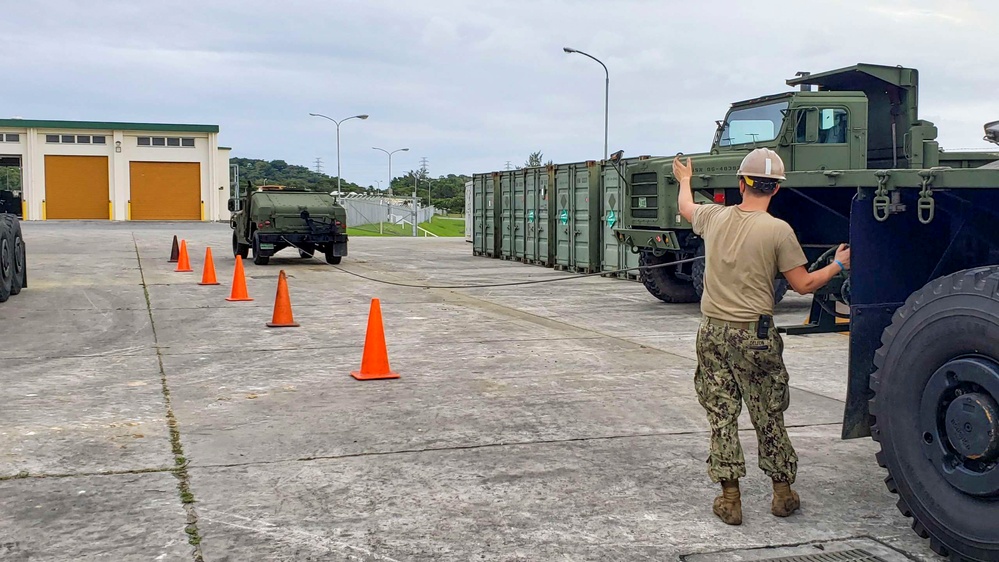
{"x":681,"y":171}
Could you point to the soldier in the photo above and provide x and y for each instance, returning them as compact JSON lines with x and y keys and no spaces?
{"x":739,"y":352}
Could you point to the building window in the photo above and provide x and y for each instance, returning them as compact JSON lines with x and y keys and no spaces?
{"x":74,"y":139}
{"x":99,"y":139}
{"x":51,"y":138}
{"x":10,"y":137}
{"x":172,"y":142}
{"x":68,"y":139}
{"x":82,"y":139}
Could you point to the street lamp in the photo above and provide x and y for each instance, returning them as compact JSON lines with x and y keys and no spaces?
{"x":338,"y":143}
{"x":606,"y":90}
{"x":390,"y":162}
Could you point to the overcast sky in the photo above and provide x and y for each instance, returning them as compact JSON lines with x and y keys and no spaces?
{"x":471,"y":85}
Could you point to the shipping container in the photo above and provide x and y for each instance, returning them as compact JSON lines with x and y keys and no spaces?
{"x":484,"y":234}
{"x":537,"y":245}
{"x":615,"y":254}
{"x":577,"y":217}
{"x":469,"y":210}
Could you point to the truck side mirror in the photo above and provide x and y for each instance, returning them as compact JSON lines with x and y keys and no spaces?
{"x":232,"y":204}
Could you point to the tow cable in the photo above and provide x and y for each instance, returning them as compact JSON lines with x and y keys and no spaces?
{"x":491,"y":285}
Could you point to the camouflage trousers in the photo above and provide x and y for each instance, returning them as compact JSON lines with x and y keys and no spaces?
{"x":734,"y":365}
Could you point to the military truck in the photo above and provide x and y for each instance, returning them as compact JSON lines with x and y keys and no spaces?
{"x":862,"y":117}
{"x":270,"y":218}
{"x":13,"y":261}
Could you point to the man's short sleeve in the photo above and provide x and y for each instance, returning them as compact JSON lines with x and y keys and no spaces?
{"x":703,"y":216}
{"x":789,"y":252}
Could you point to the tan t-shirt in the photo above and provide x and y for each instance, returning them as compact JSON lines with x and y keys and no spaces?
{"x":744,"y":252}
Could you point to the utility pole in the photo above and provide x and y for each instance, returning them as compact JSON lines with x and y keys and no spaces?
{"x":423,"y":166}
{"x":416,"y":210}
{"x":507,"y":164}
{"x":319,"y":165}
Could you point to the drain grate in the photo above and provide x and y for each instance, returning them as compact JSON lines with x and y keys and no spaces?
{"x":855,"y":555}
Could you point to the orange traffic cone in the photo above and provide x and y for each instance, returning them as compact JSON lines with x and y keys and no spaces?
{"x":282,"y":317}
{"x":208,"y":274}
{"x":183,"y":262}
{"x":174,"y":251}
{"x":374,"y":362}
{"x":238,"y":283}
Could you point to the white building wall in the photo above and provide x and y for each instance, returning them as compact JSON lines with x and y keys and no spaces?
{"x":32,"y":149}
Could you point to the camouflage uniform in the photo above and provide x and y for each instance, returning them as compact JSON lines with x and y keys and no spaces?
{"x":732,"y":364}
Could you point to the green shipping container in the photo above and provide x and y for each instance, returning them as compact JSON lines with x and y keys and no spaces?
{"x":484,"y":241}
{"x":537,"y":245}
{"x":615,"y":255}
{"x":577,"y":217}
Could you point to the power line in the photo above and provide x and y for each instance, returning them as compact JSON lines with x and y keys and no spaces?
{"x":319,"y":165}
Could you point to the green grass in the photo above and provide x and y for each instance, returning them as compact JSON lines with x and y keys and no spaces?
{"x":441,"y":226}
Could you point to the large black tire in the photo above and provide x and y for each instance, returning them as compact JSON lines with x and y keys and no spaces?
{"x":241,"y":250}
{"x":663,"y":283}
{"x":6,"y":258}
{"x":334,"y":260}
{"x":306,"y":252}
{"x":20,"y":265}
{"x":257,"y":258}
{"x":936,"y":388}
{"x":697,"y":277}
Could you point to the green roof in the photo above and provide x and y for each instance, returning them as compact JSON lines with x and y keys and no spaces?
{"x":106,"y":125}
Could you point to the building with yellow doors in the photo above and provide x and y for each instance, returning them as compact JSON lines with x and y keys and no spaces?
{"x":115,"y":171}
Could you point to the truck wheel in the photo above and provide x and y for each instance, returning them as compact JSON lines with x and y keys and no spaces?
{"x":241,"y":250}
{"x":20,"y":274}
{"x":6,"y":259}
{"x":331,"y":259}
{"x":257,"y":258}
{"x":697,"y":276}
{"x":935,"y":412}
{"x":662,"y":283}
{"x":306,"y":252}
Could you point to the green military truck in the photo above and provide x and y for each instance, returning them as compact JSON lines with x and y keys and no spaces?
{"x":863,"y":117}
{"x":270,"y":218}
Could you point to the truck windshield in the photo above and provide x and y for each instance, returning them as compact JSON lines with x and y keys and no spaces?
{"x":753,"y":124}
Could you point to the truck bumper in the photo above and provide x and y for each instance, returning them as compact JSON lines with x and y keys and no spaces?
{"x":648,"y":239}
{"x":337,"y":241}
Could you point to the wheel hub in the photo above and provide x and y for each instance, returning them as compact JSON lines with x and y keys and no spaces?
{"x":971,"y":426}
{"x":959,"y":419}
{"x":5,"y":258}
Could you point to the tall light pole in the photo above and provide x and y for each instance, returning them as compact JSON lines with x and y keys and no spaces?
{"x":390,"y":162}
{"x":606,"y":91}
{"x":338,"y":143}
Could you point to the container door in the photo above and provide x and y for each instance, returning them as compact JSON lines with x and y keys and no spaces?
{"x":564,"y":178}
{"x":531,"y":216}
{"x":611,"y":257}
{"x":581,"y":219}
{"x":506,"y":215}
{"x":519,"y":214}
{"x":489,"y":210}
{"x":544,"y":219}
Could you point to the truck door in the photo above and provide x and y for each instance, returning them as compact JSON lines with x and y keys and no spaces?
{"x":830,"y":137}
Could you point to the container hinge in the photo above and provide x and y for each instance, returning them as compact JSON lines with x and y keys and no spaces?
{"x":926,"y":206}
{"x":706,"y":178}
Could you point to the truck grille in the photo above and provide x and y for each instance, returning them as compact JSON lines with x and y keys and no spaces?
{"x":644,"y":195}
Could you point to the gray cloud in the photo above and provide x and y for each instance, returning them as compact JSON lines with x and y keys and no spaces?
{"x":470,"y":84}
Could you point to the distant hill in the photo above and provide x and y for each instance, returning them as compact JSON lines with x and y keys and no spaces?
{"x":279,"y":172}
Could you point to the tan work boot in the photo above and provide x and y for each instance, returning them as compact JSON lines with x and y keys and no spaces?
{"x":728,"y":506}
{"x":786,"y":500}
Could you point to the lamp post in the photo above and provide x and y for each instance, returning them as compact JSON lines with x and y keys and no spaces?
{"x":606,"y":90}
{"x":390,"y":162}
{"x":338,"y":143}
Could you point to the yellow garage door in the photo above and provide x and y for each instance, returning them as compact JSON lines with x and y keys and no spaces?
{"x":76,"y":187}
{"x":165,"y":190}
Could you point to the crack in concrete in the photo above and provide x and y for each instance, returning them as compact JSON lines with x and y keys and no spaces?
{"x":184,"y":483}
{"x":26,"y":475}
{"x":488,"y":446}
